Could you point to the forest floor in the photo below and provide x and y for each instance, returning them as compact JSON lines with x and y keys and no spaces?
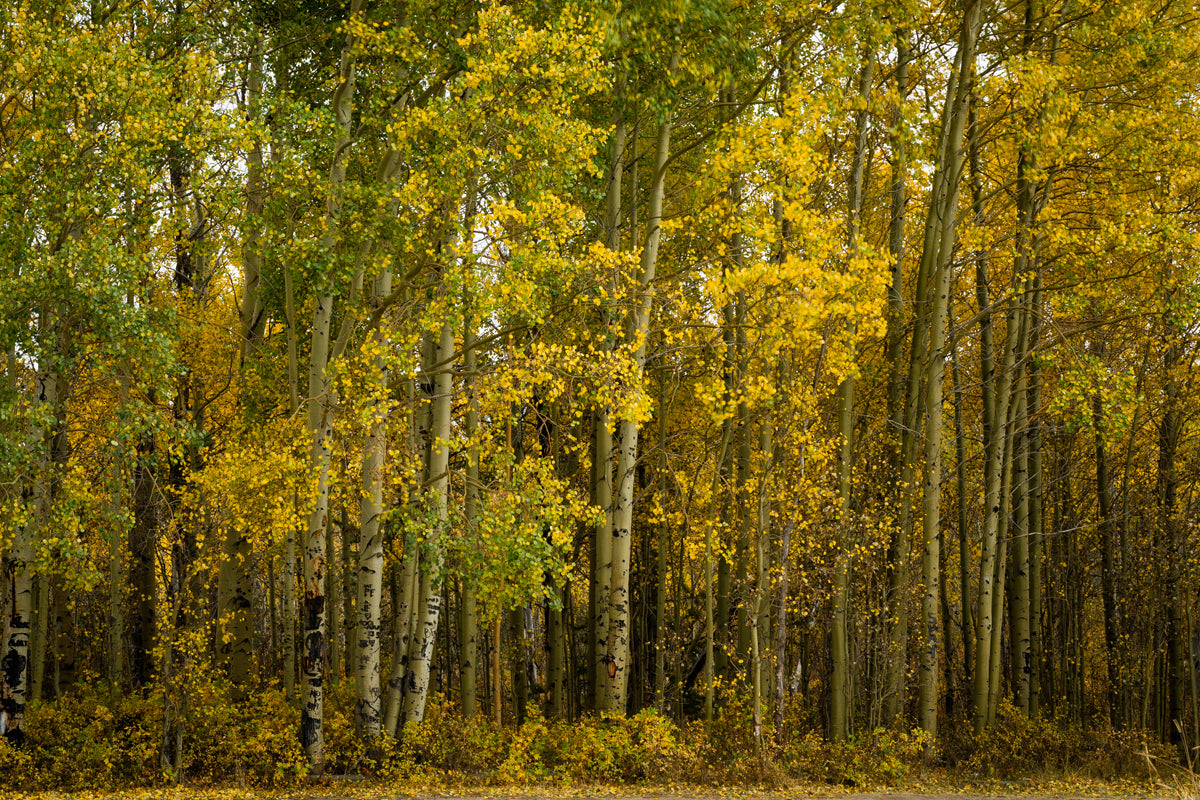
{"x":1063,"y":789}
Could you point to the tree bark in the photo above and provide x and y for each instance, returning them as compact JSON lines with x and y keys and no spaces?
{"x":468,"y":616}
{"x":899,"y":400}
{"x":709,"y":623}
{"x":660,"y":586}
{"x":320,"y":429}
{"x":435,"y":486}
{"x":369,"y":587}
{"x":615,"y":676}
{"x":15,"y":662}
{"x":964,"y":572}
{"x":839,"y":711}
{"x":1020,"y":649}
{"x":602,"y":452}
{"x":403,"y":612}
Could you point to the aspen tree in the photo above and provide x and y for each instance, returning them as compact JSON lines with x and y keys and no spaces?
{"x":320,"y":425}
{"x":469,"y":622}
{"x":613,"y":680}
{"x":20,"y":578}
{"x":370,"y":557}
{"x":370,"y":563}
{"x":943,"y":215}
{"x":602,"y":446}
{"x":839,"y":693}
{"x":252,"y":318}
{"x":660,"y":587}
{"x":899,"y":400}
{"x":436,"y":383}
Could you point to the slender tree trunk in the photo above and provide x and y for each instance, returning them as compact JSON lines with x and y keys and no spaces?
{"x":16,"y":662}
{"x":369,"y":587}
{"x":288,"y":578}
{"x":709,"y":600}
{"x":468,"y":616}
{"x":614,"y":678}
{"x":725,"y":509}
{"x":143,"y":584}
{"x":288,"y":634}
{"x":839,"y":695}
{"x":520,"y":654}
{"x":943,"y":215}
{"x":930,"y":561}
{"x":320,"y":429}
{"x":759,"y":632}
{"x":785,"y":539}
{"x":116,"y":574}
{"x":405,"y":606}
{"x":747,"y":610}
{"x":468,"y":652}
{"x":895,"y":319}
{"x":1020,"y":649}
{"x":497,"y":679}
{"x":273,"y":616}
{"x":781,"y":628}
{"x":660,"y":586}
{"x":602,"y":454}
{"x":839,"y":681}
{"x":1034,"y":444}
{"x":1167,"y":534}
{"x":601,"y":553}
{"x":436,"y":484}
{"x":898,"y":401}
{"x":998,"y":577}
{"x":964,"y":548}
{"x":997,"y":432}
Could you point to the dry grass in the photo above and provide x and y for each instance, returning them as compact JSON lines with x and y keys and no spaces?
{"x":1177,"y":780}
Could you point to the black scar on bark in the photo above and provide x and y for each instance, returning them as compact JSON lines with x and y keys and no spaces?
{"x":13,"y":667}
{"x":314,"y":646}
{"x":314,"y":607}
{"x":310,"y":729}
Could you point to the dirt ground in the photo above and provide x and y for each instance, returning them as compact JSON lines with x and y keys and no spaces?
{"x":796,"y":793}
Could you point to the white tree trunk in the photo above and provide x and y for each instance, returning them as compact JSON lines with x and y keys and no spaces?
{"x":320,"y":429}
{"x":614,"y":678}
{"x":370,"y":554}
{"x":436,"y":485}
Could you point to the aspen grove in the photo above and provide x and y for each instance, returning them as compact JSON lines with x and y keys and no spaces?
{"x":827,"y":363}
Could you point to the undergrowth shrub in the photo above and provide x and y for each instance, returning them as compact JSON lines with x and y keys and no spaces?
{"x":1016,"y":745}
{"x":94,"y":740}
{"x":89,"y":740}
{"x":442,"y":747}
{"x":595,"y":750}
{"x":447,"y":748}
{"x":253,"y":743}
{"x":879,"y":758}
